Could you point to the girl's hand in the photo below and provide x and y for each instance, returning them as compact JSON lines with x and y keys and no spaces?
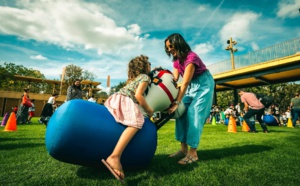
{"x":173,"y":108}
{"x":150,"y":113}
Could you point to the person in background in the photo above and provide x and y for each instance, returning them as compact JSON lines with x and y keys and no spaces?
{"x":253,"y":106}
{"x":48,"y":109}
{"x":276,"y":113}
{"x":129,"y":107}
{"x":92,"y":99}
{"x":31,"y":111}
{"x":15,"y":109}
{"x":196,"y":93}
{"x":284,"y":118}
{"x":74,"y":91}
{"x":288,"y":115}
{"x":22,"y":114}
{"x":295,"y":105}
{"x":238,"y":109}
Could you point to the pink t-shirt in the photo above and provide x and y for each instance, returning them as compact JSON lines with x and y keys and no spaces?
{"x":252,"y":101}
{"x":191,"y":58}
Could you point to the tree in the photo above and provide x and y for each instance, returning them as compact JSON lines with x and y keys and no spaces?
{"x":9,"y":82}
{"x":73,"y":72}
{"x":117,"y":88}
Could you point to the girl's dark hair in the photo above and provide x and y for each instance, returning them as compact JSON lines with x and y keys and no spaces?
{"x":55,"y":94}
{"x":180,"y":45}
{"x":138,"y":65}
{"x":77,"y":87}
{"x":25,"y":90}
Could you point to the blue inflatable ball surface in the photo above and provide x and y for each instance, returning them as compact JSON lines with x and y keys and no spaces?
{"x":82,"y":133}
{"x":226,"y":121}
{"x":269,"y":120}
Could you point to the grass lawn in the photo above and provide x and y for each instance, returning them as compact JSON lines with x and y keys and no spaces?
{"x":224,"y":159}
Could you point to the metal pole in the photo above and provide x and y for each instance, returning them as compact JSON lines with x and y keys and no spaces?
{"x":62,"y":79}
{"x":232,"y":59}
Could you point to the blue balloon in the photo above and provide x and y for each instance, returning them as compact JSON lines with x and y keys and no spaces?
{"x":226,"y":121}
{"x":82,"y":133}
{"x":269,"y":120}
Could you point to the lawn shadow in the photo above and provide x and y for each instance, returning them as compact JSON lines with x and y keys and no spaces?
{"x":20,"y":139}
{"x":91,"y":172}
{"x":133,"y":176}
{"x":162,"y":163}
{"x":215,"y":154}
{"x":19,"y":146}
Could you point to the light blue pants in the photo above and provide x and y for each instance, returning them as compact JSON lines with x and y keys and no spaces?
{"x":198,"y":101}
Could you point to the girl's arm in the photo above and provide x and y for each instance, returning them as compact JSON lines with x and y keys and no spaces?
{"x":176,"y":74}
{"x":54,"y":100}
{"x":69,"y":93}
{"x":141,"y":99}
{"x":187,"y":77}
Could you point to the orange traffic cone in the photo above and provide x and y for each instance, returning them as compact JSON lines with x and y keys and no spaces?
{"x":290,"y":123}
{"x":11,"y":124}
{"x":245,"y":127}
{"x":231,"y":125}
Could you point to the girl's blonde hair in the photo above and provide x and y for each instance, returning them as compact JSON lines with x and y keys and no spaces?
{"x":136,"y":66}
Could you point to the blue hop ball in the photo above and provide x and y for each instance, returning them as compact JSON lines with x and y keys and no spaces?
{"x":82,"y":133}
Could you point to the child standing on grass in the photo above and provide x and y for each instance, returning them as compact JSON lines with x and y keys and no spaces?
{"x":128,"y":106}
{"x":31,"y":111}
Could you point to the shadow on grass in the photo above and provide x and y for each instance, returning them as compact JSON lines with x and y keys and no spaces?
{"x":18,"y":143}
{"x":162,"y":165}
{"x":232,"y":151}
{"x":20,"y":139}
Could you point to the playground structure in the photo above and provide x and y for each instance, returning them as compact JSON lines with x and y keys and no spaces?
{"x":10,"y":99}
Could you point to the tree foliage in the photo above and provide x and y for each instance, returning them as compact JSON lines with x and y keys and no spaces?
{"x":117,"y":88}
{"x":73,"y":72}
{"x":9,"y":82}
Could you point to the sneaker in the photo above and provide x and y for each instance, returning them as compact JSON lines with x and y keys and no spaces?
{"x":266,"y":131}
{"x":40,"y":121}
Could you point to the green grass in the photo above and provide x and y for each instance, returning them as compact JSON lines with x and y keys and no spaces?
{"x":225,"y":159}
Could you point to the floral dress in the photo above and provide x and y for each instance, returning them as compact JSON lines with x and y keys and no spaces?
{"x":124,"y":106}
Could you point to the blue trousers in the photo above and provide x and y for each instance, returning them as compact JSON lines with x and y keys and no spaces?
{"x":198,"y":101}
{"x":296,"y":113}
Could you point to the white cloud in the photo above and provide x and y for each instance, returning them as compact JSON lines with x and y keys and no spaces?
{"x":202,"y":8}
{"x":203,"y":48}
{"x":71,"y":24}
{"x":239,"y":27}
{"x":38,"y":57}
{"x":288,"y":9}
{"x":254,"y":46}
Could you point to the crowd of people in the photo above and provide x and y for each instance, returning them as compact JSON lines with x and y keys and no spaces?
{"x":281,"y":115}
{"x":26,"y":110}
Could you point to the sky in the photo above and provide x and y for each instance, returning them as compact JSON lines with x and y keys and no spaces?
{"x":103,"y":36}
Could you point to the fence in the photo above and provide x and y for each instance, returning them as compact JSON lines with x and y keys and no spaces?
{"x":284,"y":49}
